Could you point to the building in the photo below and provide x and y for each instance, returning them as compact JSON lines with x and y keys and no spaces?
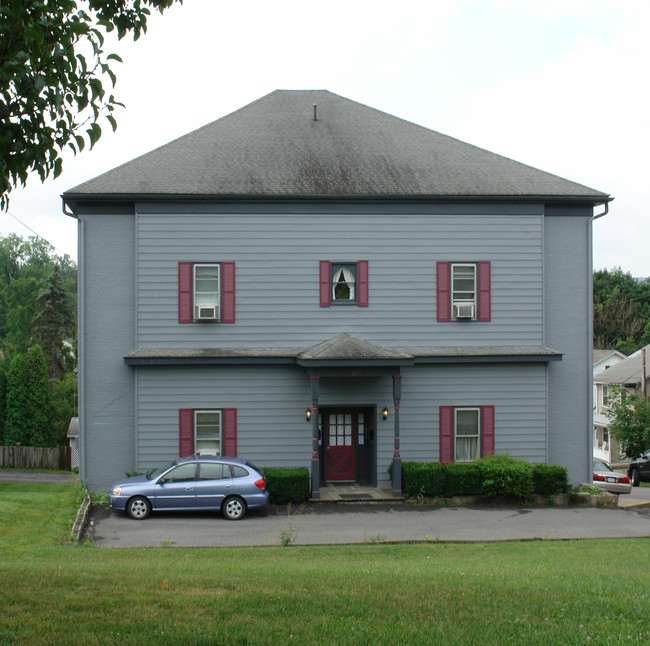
{"x":420,"y":298}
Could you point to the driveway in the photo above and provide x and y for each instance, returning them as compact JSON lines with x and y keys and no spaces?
{"x":324,"y":523}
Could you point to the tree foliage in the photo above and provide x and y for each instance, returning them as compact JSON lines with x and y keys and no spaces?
{"x":53,"y":78}
{"x":621,"y":311}
{"x":54,"y":325}
{"x":631,"y":424}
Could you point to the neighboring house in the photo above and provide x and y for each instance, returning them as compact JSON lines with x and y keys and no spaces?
{"x":626,"y":376}
{"x":603,"y":450}
{"x":307,"y":256}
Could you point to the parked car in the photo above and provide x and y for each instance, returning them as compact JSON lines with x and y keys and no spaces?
{"x":640,"y":469}
{"x":200,"y":482}
{"x":607,"y":479}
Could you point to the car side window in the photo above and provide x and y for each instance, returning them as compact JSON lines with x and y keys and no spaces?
{"x":238,"y":472}
{"x":212,"y":471}
{"x":182,"y":473}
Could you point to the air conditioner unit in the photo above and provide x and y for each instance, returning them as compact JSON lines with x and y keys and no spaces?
{"x":463,"y":310}
{"x":214,"y":452}
{"x":206,"y":313}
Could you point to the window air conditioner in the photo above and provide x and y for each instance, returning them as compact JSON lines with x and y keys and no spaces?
{"x":463,"y":310}
{"x":206,"y":313}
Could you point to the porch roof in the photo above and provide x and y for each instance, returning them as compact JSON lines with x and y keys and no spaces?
{"x":343,"y":350}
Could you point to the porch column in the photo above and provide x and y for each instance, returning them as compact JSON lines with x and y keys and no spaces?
{"x":397,"y":460}
{"x":315,"y":461}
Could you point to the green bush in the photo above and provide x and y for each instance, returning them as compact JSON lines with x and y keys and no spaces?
{"x":463,"y":479}
{"x":287,"y":485}
{"x":503,"y":475}
{"x":422,"y":479}
{"x":550,"y":479}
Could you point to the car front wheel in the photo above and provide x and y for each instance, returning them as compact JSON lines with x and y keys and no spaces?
{"x":233,"y":508}
{"x":138,"y":508}
{"x":634,"y":477}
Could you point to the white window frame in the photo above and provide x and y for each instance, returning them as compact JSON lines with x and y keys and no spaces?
{"x":209,"y":450}
{"x":477,"y":435}
{"x":206,"y":299}
{"x":464,"y":297}
{"x":352,"y":282}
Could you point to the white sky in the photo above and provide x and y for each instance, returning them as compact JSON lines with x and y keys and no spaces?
{"x":562,"y":85}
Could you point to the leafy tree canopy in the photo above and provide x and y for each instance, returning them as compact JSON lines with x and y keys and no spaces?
{"x":53,"y":75}
{"x":631,"y":424}
{"x":621,"y":311}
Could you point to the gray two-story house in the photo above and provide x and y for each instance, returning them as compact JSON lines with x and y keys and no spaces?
{"x":312,"y":282}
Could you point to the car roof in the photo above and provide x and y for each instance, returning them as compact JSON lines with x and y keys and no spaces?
{"x":197,"y":457}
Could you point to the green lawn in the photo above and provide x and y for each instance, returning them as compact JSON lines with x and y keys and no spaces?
{"x":560,"y":592}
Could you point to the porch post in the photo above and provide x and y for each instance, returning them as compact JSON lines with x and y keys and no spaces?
{"x":397,"y":460}
{"x":315,"y":461}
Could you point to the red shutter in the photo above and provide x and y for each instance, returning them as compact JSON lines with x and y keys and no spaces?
{"x":184,"y":292}
{"x":484,"y":292}
{"x":487,"y":430}
{"x":362,"y":280}
{"x":442,"y":291}
{"x":324,"y":283}
{"x":229,"y":432}
{"x":446,"y":434}
{"x":227,"y":292}
{"x":185,"y":432}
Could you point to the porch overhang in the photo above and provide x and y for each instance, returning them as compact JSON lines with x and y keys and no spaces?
{"x":343,"y":353}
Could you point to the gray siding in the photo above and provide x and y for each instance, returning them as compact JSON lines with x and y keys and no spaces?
{"x":270,"y":406}
{"x":277,"y":275}
{"x":106,"y":333}
{"x":567,"y":318}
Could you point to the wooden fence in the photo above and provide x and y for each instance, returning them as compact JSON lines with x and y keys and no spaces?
{"x":34,"y":457}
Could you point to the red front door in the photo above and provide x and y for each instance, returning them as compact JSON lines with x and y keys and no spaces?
{"x":340,"y":437}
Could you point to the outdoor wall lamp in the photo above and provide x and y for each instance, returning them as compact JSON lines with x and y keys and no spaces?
{"x":307,"y":414}
{"x":384,"y":414}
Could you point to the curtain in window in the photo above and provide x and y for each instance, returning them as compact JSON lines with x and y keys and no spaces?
{"x":343,"y":275}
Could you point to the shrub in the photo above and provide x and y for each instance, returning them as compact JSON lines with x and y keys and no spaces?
{"x":549,"y":479}
{"x":287,"y":485}
{"x":503,"y":475}
{"x":463,"y":479}
{"x":422,"y":479}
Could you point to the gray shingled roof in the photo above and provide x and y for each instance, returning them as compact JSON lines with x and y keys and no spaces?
{"x":342,"y":348}
{"x":273,"y":147}
{"x":626,"y":372}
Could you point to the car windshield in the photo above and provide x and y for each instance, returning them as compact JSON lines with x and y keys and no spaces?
{"x":152,"y":475}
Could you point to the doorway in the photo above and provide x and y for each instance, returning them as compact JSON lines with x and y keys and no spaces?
{"x":348,"y":444}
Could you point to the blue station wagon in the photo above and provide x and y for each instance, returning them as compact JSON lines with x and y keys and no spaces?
{"x":200,"y":482}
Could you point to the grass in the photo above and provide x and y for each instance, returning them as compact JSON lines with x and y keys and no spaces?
{"x":546,"y":592}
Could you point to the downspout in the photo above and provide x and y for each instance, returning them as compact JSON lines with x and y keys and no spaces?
{"x":81,"y":338}
{"x":590,"y":336}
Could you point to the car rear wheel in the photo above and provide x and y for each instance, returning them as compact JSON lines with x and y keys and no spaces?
{"x":138,"y":508}
{"x":634,"y":477}
{"x":233,"y":508}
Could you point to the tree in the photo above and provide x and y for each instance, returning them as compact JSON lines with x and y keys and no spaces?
{"x":621,"y":310}
{"x":631,"y":424}
{"x":53,"y":72}
{"x":53,"y":325}
{"x":29,"y":401}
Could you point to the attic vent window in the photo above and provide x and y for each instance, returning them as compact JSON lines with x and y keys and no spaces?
{"x":315,"y":111}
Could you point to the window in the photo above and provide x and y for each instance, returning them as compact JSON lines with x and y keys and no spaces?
{"x":463,"y":291}
{"x":466,"y":433}
{"x":207,"y":297}
{"x":343,"y":283}
{"x":207,"y":431}
{"x":182,"y":473}
{"x":206,"y":292}
{"x":213,"y":471}
{"x":605,"y":396}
